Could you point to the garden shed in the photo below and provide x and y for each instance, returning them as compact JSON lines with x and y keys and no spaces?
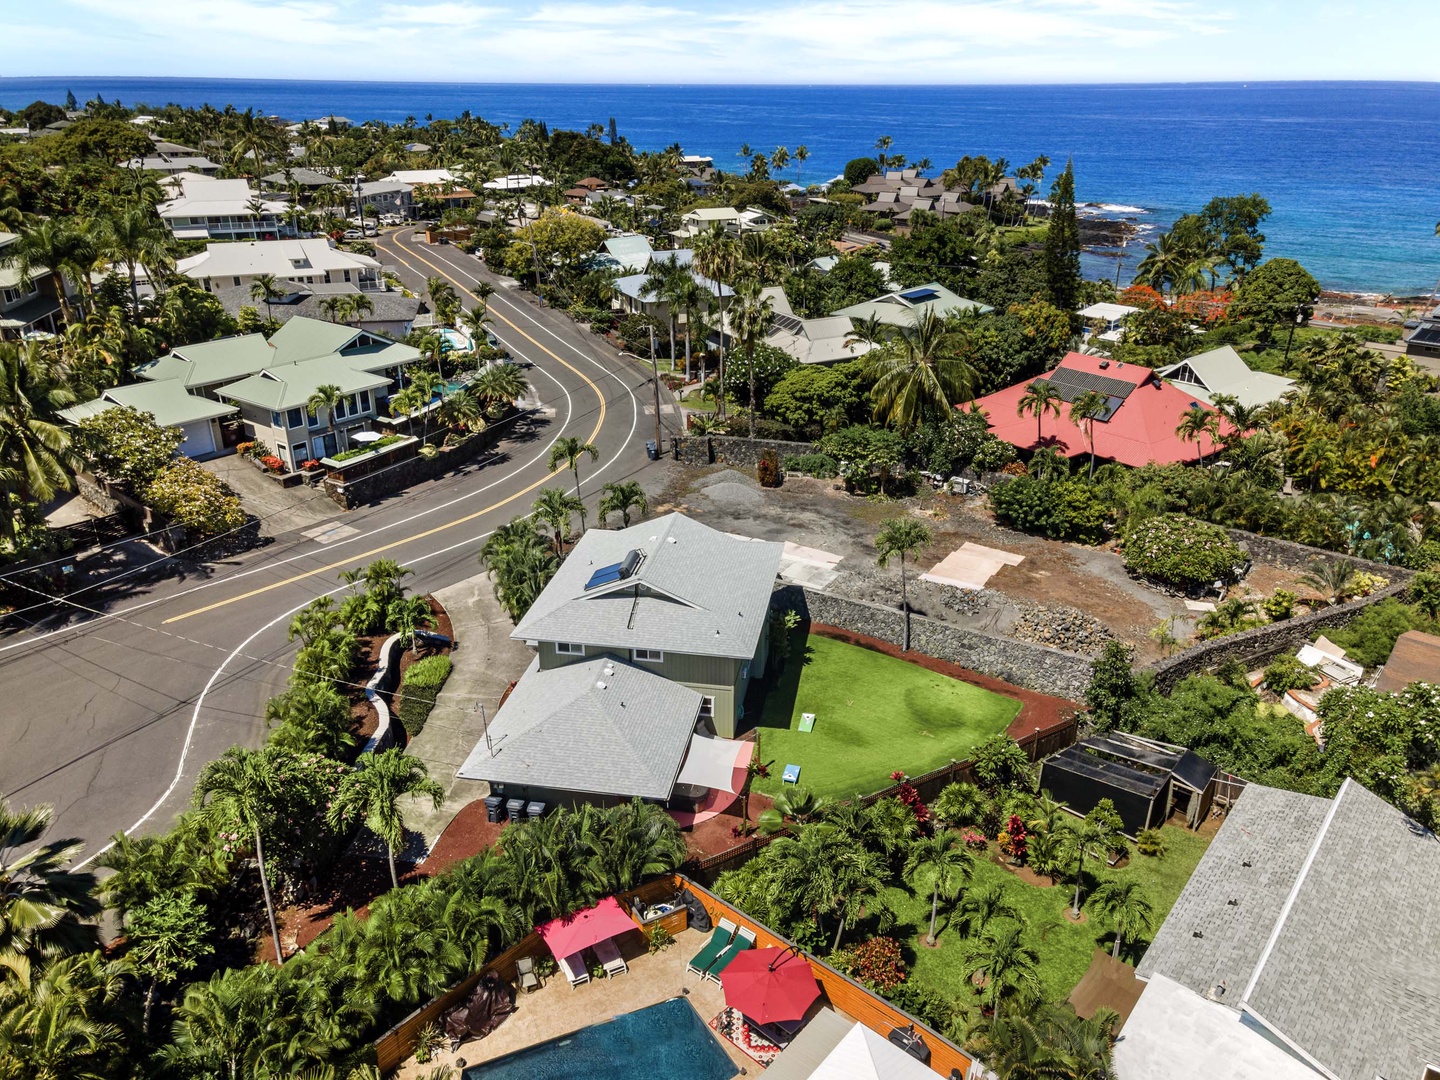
{"x":1146,"y":780}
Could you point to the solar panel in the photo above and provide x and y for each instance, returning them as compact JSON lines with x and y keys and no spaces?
{"x":916,"y":296}
{"x":1427,"y":334}
{"x":605,"y":575}
{"x":789,"y":323}
{"x":1061,"y":378}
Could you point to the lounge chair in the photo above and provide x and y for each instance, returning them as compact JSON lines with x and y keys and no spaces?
{"x":744,"y":939}
{"x":719,"y":940}
{"x":608,"y":953}
{"x":574,"y":968}
{"x":525,"y":973}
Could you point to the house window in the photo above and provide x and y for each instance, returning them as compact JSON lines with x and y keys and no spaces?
{"x":340,"y":409}
{"x":347,"y":275}
{"x":275,"y":419}
{"x":647,"y":656}
{"x":295,"y":418}
{"x":235,"y":281}
{"x":12,"y":295}
{"x":707,"y":707}
{"x":298,"y":453}
{"x":315,"y":419}
{"x":364,"y":400}
{"x":569,"y":648}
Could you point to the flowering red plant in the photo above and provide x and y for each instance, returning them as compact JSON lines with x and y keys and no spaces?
{"x":271,"y":462}
{"x":1012,"y":840}
{"x":878,"y":963}
{"x":910,"y":797}
{"x":973,"y":840}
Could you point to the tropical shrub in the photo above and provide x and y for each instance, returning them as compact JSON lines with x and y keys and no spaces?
{"x":1000,"y":764}
{"x":199,"y":500}
{"x":1181,"y":551}
{"x":1279,"y":606}
{"x":1059,"y":509}
{"x":1287,"y":673}
{"x":767,"y":471}
{"x":127,"y":446}
{"x":420,"y":690}
{"x":877,"y":963}
{"x":1012,"y":839}
{"x":1150,"y":842}
{"x":1370,"y":636}
{"x":959,"y":804}
{"x":820,"y":465}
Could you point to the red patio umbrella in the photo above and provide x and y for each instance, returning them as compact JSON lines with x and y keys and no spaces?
{"x":769,"y":985}
{"x":565,"y":937}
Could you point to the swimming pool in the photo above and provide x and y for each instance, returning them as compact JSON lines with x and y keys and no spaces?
{"x":668,"y":1040}
{"x":457,"y":339}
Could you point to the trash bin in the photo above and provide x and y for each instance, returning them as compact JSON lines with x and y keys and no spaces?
{"x":535,"y":810}
{"x":516,"y":809}
{"x":494,"y":807}
{"x":653,"y":449}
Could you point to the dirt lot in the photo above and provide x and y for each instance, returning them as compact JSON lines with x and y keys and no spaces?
{"x":1067,"y":595}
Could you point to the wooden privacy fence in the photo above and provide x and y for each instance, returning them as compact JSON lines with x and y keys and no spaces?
{"x":842,"y":992}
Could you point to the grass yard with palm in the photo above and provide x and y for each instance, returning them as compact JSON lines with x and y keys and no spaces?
{"x":874,"y":714}
{"x":1064,"y":948}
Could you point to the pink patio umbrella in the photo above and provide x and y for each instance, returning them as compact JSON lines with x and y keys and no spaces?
{"x":566,"y":937}
{"x":770,"y":985}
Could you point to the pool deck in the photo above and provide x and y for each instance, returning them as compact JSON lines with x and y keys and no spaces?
{"x":555,"y":1009}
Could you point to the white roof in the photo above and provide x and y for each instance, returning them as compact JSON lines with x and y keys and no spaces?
{"x":1175,"y":1034}
{"x":714,"y":213}
{"x":864,"y":1055}
{"x":1108,"y":312}
{"x":1224,"y":371}
{"x":515,"y":182}
{"x":204,"y":196}
{"x":423,"y":176}
{"x":282,"y":258}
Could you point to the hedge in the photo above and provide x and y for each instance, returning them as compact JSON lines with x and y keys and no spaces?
{"x":419,"y":691}
{"x":1179,"y":550}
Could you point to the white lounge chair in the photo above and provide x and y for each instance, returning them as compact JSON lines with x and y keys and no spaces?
{"x":608,"y":953}
{"x":574,"y":968}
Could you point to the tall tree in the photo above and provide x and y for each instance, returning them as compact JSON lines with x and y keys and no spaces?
{"x":905,"y":537}
{"x":165,"y":938}
{"x":622,"y":498}
{"x":373,"y":793}
{"x":1008,"y":965}
{"x":36,"y":455}
{"x":922,"y":375}
{"x":941,"y":858}
{"x":1085,"y":410}
{"x":1195,"y":425}
{"x":750,"y":316}
{"x":1062,"y":244}
{"x":717,"y":257}
{"x":327,"y":397}
{"x":266,"y":288}
{"x":1125,"y":905}
{"x":568,"y":452}
{"x":1039,"y":398}
{"x":555,"y":507}
{"x":44,"y":904}
{"x":54,"y":248}
{"x":136,"y":237}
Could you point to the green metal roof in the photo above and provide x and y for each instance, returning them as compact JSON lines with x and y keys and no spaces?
{"x":168,"y":402}
{"x":209,"y":362}
{"x":305,"y":339}
{"x":289,"y":386}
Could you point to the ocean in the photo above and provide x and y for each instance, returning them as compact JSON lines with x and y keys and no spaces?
{"x":1350,"y":169}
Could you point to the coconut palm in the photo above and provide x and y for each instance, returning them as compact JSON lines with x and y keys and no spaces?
{"x":56,"y":248}
{"x":555,"y":507}
{"x":941,"y":858}
{"x":622,"y":498}
{"x":136,"y":237}
{"x":1195,"y":425}
{"x":902,"y":536}
{"x":240,"y":790}
{"x":1008,"y":965}
{"x":57,"y":1019}
{"x":980,"y":907}
{"x":266,"y":288}
{"x":1333,"y":579}
{"x":870,"y":331}
{"x":568,"y":451}
{"x":35,"y":453}
{"x":1084,"y":411}
{"x":373,"y":793}
{"x":750,"y":318}
{"x":1039,"y":398}
{"x":407,"y":616}
{"x":717,"y":257}
{"x":42,"y":900}
{"x":520,"y":563}
{"x":1124,"y":904}
{"x":665,"y":285}
{"x":921,"y":376}
{"x":328,"y":397}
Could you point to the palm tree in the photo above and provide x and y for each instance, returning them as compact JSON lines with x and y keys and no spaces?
{"x":1095,"y":830}
{"x":750,"y":317}
{"x":373,"y":792}
{"x":54,"y":248}
{"x":1007,"y":964}
{"x":1195,"y":425}
{"x":42,"y":900}
{"x":357,"y":306}
{"x":870,"y":330}
{"x":555,"y":507}
{"x":266,"y":289}
{"x":980,"y":907}
{"x":1039,"y":398}
{"x":901,"y":536}
{"x":137,"y":237}
{"x":664,"y":285}
{"x":476,"y":321}
{"x":521,"y":564}
{"x":239,"y":791}
{"x":717,"y":257}
{"x":1331,"y":578}
{"x":443,"y":300}
{"x":330,"y":306}
{"x":942,"y":857}
{"x":499,"y":385}
{"x":568,"y":451}
{"x":802,"y":155}
{"x":921,"y":376}
{"x":36,"y":455}
{"x":407,"y":616}
{"x":327,"y":397}
{"x":57,"y":1020}
{"x":1125,"y":905}
{"x":622,"y":498}
{"x":1084,"y":411}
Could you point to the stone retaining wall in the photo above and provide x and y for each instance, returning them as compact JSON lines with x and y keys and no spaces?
{"x":1034,"y":667}
{"x":1288,"y":555}
{"x":410,"y":471}
{"x":733,"y":450}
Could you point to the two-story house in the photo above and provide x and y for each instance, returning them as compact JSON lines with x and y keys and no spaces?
{"x":643,"y":634}
{"x":314,"y":261}
{"x":211,"y":209}
{"x":25,"y":308}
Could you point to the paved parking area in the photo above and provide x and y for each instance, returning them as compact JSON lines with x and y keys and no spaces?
{"x":281,"y":510}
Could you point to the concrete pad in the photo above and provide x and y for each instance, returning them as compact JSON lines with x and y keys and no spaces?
{"x":485,"y":662}
{"x":970,"y":566}
{"x":328,"y":534}
{"x":1009,"y":558}
{"x":281,"y":510}
{"x":1199,"y":605}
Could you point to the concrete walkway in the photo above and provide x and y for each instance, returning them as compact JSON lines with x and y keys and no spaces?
{"x":280,"y":510}
{"x":485,"y":662}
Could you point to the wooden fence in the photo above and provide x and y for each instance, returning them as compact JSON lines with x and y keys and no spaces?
{"x":842,"y":992}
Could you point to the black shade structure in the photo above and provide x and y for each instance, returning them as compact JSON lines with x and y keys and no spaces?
{"x":1145,"y":779}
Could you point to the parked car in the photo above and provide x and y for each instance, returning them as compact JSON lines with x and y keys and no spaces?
{"x":354,"y":234}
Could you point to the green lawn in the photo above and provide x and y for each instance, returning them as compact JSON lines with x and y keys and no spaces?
{"x":1065,"y":948}
{"x":874,"y":714}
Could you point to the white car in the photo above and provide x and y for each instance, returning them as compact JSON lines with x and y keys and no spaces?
{"x":353,"y":234}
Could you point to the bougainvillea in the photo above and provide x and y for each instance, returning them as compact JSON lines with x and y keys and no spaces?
{"x":910,"y":796}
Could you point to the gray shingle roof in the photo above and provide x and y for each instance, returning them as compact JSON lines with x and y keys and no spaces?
{"x":598,"y":726}
{"x":697,"y":591}
{"x":1334,"y":942}
{"x":304,"y":303}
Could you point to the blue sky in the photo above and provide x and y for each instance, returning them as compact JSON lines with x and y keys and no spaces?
{"x":728,"y":41}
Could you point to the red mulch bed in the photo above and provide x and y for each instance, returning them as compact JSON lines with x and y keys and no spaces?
{"x":714,"y":836}
{"x":1039,"y":713}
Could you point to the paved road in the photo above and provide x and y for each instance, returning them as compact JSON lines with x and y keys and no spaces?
{"x":114,"y":703}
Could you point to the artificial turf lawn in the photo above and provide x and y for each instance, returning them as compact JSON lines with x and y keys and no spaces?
{"x":1065,"y":948}
{"x":874,"y":714}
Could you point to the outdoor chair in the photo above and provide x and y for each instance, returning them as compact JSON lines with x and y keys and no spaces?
{"x":574,"y":968}
{"x":525,"y":972}
{"x":719,"y":941}
{"x":608,"y":953}
{"x":744,"y":939}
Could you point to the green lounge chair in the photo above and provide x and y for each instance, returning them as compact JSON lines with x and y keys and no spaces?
{"x":719,"y":941}
{"x":744,"y":939}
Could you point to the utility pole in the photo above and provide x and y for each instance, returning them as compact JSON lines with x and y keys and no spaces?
{"x":655,"y":381}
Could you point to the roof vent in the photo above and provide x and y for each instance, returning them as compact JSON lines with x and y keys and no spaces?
{"x":1232,"y":902}
{"x":671,"y":540}
{"x":1104,"y":363}
{"x":1198,"y":934}
{"x":599,"y":686}
{"x":1247,"y":862}
{"x":1217,"y":992}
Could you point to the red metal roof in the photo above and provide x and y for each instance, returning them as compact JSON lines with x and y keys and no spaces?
{"x":1139,"y":431}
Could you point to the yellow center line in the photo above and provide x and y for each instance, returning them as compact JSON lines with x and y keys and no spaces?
{"x":599,"y":422}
